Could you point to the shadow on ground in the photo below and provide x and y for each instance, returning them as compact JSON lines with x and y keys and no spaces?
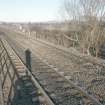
{"x":25,"y":93}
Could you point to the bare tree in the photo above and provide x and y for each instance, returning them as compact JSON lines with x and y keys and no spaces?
{"x":89,"y":15}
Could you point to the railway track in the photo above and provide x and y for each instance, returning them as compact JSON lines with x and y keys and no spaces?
{"x":61,"y":91}
{"x":90,"y":73}
{"x":86,"y":74}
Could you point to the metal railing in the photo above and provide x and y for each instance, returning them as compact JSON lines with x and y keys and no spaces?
{"x":8,"y":77}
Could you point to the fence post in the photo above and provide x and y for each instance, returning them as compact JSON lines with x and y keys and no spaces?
{"x":28,"y":59}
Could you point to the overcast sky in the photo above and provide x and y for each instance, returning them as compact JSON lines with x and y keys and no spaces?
{"x":29,"y":10}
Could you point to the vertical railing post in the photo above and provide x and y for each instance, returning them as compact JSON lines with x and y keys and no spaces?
{"x":28,"y":59}
{"x":1,"y":92}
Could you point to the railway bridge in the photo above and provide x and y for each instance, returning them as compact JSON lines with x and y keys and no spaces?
{"x":42,"y":86}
